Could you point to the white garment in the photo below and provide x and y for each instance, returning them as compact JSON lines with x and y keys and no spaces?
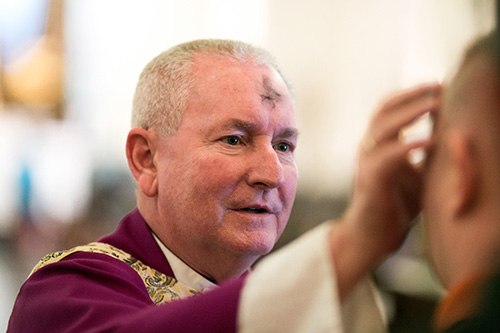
{"x":183,"y":273}
{"x":294,"y":290}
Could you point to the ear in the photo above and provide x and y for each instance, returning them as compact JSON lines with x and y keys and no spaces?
{"x":464,"y":173}
{"x":140,"y":156}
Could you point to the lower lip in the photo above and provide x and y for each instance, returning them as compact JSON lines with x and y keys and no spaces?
{"x":253,"y":221}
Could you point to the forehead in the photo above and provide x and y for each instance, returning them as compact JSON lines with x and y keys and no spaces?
{"x":237,"y":89}
{"x":217,"y":70}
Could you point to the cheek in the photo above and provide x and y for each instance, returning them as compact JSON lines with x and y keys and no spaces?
{"x":436,"y":251}
{"x":430,"y":236}
{"x":213,"y":178}
{"x":431,"y":193}
{"x":287,"y":195}
{"x":430,"y":222}
{"x":290,"y":185}
{"x":436,"y":236}
{"x":431,"y":215}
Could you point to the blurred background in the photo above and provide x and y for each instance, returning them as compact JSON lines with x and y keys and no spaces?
{"x":68,"y":71}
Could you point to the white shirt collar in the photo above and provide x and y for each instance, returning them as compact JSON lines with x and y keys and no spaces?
{"x":183,"y":273}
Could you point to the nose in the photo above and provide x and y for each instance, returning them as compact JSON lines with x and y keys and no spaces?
{"x":266,"y":169}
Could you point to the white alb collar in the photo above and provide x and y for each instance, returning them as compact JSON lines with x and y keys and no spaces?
{"x":183,"y":273}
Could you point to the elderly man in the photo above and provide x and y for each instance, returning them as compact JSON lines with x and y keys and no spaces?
{"x":462,"y":192}
{"x":212,"y":151}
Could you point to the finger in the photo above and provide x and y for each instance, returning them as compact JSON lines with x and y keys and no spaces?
{"x":402,"y":150}
{"x":392,"y":156}
{"x":395,"y":170}
{"x":386,"y":125}
{"x":407,"y":96}
{"x":410,"y":191}
{"x":376,"y":137}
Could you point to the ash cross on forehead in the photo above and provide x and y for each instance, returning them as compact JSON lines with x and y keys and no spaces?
{"x":270,"y":95}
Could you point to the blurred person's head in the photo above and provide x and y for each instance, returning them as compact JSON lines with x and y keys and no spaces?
{"x":462,"y":184}
{"x":212,"y":153}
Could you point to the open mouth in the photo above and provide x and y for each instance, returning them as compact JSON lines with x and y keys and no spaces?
{"x":254,"y":210}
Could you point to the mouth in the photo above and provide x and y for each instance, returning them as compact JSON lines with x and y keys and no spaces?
{"x":255,"y":210}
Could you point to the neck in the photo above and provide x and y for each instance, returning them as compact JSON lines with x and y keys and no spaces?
{"x":214,"y":267}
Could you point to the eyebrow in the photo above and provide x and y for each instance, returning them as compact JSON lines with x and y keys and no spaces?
{"x":289,"y":133}
{"x":238,"y":124}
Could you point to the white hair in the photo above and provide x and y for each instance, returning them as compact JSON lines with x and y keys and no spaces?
{"x":165,"y":83}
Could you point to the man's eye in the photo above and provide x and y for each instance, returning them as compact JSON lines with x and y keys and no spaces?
{"x":284,"y":147}
{"x":232,"y":140}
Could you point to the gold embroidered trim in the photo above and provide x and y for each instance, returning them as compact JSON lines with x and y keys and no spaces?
{"x":161,"y":288}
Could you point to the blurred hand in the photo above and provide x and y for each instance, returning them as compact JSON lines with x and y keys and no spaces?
{"x":387,"y":188}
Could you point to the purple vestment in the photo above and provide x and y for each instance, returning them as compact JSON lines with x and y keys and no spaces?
{"x":93,"y":292}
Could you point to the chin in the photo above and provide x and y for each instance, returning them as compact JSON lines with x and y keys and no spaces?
{"x":257,"y":245}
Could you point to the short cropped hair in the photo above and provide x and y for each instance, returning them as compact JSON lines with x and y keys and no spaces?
{"x":488,"y":46}
{"x":165,"y":83}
